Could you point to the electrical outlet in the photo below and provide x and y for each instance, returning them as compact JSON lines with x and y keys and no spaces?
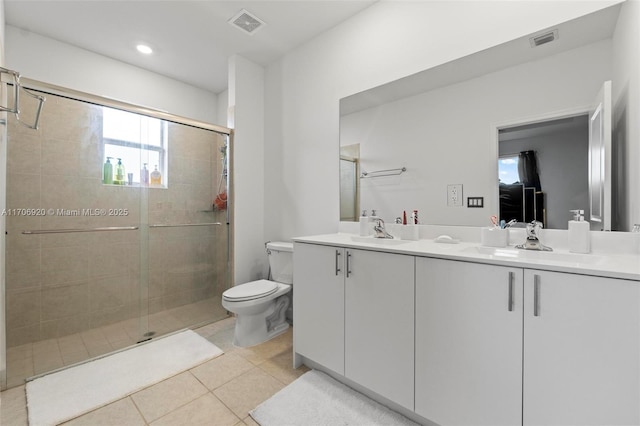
{"x":454,"y":195}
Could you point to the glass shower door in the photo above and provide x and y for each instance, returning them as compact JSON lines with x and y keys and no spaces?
{"x":188,"y":232}
{"x":98,"y":256}
{"x":72,"y":244}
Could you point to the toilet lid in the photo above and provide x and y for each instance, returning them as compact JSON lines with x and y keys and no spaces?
{"x":252,"y":290}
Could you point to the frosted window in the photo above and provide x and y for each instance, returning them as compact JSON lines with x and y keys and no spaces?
{"x":136,"y":140}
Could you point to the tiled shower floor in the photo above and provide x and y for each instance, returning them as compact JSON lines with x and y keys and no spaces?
{"x":36,"y":358}
{"x":219,"y":392}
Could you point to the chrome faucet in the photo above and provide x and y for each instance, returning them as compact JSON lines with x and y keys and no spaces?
{"x":511,"y":223}
{"x":532,"y":242}
{"x":381,"y":232}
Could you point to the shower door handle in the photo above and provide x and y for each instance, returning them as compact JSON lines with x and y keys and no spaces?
{"x":67,"y":231}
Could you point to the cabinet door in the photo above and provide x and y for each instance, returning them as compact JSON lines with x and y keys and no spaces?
{"x":318,"y":300}
{"x":582,"y":350}
{"x":379,"y":323}
{"x":468,"y":343}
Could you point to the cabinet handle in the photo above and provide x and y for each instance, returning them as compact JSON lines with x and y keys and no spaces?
{"x":536,"y":295}
{"x":337,"y":261}
{"x":348,"y":264}
{"x":512,"y":277}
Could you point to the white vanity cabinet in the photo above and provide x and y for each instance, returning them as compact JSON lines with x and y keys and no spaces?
{"x":468,"y":343}
{"x":581,"y":350}
{"x":379,"y":323}
{"x":354,"y":314}
{"x":318,"y":300}
{"x":568,"y":351}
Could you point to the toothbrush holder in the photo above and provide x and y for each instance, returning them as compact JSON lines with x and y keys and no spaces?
{"x":410,"y":232}
{"x":494,"y":237}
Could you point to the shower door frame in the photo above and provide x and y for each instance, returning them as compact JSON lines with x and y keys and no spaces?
{"x":64,"y":92}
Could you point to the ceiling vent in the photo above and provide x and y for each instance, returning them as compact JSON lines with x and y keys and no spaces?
{"x":247,"y":22}
{"x":545,"y":38}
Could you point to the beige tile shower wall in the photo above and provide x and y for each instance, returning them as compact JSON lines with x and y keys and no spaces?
{"x":60,"y":284}
{"x":184,"y":262}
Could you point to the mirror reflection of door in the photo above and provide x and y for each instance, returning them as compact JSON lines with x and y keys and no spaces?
{"x":600,"y":161}
{"x":559,"y":148}
{"x":349,"y":182}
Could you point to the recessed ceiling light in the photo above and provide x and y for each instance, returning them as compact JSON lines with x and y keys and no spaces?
{"x":143,"y":48}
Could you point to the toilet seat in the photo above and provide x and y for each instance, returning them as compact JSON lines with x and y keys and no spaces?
{"x":250,"y":291}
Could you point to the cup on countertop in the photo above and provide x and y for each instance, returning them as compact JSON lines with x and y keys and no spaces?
{"x":494,"y":237}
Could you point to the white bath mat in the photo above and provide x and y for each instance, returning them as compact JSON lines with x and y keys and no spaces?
{"x":315,"y":399}
{"x":66,"y":394}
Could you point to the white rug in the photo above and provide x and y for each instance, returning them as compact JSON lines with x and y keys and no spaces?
{"x":315,"y":399}
{"x":66,"y":394}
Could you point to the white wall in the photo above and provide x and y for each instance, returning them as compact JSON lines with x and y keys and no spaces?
{"x":278,"y":196}
{"x":223,"y":107}
{"x":626,"y":106}
{"x":246,"y":101}
{"x":386,"y":41}
{"x":447,"y":135}
{"x":50,"y":61}
{"x":3,"y":205}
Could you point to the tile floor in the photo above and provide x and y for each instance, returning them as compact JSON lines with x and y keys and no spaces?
{"x":219,"y":392}
{"x":36,"y":358}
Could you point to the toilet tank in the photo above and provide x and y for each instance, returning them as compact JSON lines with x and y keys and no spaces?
{"x":281,"y":261}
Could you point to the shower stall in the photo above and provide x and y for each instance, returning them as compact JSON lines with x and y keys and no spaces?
{"x":118,"y":223}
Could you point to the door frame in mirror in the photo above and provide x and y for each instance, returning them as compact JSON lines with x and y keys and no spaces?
{"x":523,"y":121}
{"x":600,"y":160}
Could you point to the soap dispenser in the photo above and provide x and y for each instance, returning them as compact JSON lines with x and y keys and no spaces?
{"x":144,"y":175}
{"x":156,"y":177}
{"x":579,"y":233}
{"x":107,"y":172}
{"x":119,"y":179}
{"x":364,"y":224}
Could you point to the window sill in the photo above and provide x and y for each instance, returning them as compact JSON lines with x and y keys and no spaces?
{"x":136,"y":185}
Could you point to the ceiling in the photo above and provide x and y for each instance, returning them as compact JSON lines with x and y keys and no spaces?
{"x":192,"y":40}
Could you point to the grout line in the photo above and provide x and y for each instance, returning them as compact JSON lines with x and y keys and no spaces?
{"x":278,"y":367}
{"x":144,"y":419}
{"x":218,"y":387}
{"x":181,"y":406}
{"x":226,"y":406}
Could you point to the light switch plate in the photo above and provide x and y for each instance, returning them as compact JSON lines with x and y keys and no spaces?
{"x":475,"y":202}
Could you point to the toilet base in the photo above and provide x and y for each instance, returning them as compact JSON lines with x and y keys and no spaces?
{"x":252,"y":330}
{"x":244,"y":341}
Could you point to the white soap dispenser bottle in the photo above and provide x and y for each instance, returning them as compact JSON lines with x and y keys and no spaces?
{"x":579,"y":233}
{"x":364,"y":224}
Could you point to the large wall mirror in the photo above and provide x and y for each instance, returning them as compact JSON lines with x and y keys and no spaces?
{"x":488,"y":122}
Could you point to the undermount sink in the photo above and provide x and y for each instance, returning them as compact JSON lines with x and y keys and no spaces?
{"x":511,"y":253}
{"x":379,"y":241}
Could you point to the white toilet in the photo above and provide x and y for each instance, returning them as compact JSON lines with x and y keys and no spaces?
{"x":261,"y":306}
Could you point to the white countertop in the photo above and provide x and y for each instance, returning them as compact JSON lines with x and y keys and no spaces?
{"x":615,"y":265}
